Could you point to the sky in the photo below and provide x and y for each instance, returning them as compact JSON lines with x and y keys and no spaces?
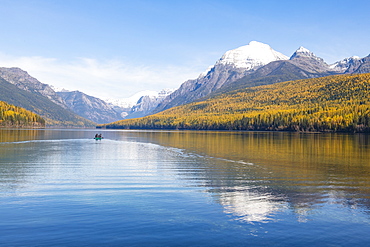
{"x":116,"y":48}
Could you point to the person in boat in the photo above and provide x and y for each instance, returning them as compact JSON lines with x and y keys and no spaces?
{"x":96,"y":136}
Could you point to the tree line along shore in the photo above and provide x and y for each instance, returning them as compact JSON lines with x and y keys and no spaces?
{"x":338,"y":103}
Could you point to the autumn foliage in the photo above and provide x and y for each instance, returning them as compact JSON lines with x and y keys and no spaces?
{"x":13,"y":116}
{"x":333,"y":103}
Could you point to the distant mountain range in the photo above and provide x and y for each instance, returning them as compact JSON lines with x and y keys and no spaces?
{"x":337,"y":103}
{"x":89,"y":107}
{"x":247,"y":66}
{"x":110,"y":110}
{"x":258,"y":64}
{"x":70,"y":108}
{"x":32,"y":97}
{"x":139,"y":104}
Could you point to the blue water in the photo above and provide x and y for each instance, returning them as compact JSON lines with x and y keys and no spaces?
{"x":62,"y":188}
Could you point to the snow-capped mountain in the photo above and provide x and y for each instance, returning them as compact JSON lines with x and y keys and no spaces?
{"x":250,"y":65}
{"x":352,"y":64}
{"x":343,"y":65}
{"x":139,"y":104}
{"x":130,"y":101}
{"x":146,"y":104}
{"x":307,"y":59}
{"x":251,"y":56}
{"x":233,"y":65}
{"x":303,"y":52}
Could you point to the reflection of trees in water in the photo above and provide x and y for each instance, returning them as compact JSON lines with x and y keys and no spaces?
{"x":253,"y":175}
{"x":300,"y":170}
{"x":17,"y":135}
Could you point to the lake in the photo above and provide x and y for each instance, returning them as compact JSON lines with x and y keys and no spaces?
{"x":60,"y":187}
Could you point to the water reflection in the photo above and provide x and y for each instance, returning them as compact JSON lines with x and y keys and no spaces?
{"x":251,"y":206}
{"x":302,"y":172}
{"x":253,"y":175}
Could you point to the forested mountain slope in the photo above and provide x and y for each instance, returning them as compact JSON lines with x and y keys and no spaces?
{"x":13,"y":116}
{"x":332,"y":103}
{"x":54,"y":114}
{"x":244,"y":69}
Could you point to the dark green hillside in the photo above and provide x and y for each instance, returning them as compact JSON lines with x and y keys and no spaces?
{"x":54,"y":114}
{"x":332,"y":103}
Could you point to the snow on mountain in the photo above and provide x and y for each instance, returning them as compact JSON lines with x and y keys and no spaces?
{"x":138,"y":104}
{"x":303,"y":52}
{"x":132,"y":100}
{"x":147,"y":103}
{"x":203,"y":74}
{"x":165,"y":92}
{"x":250,"y":56}
{"x":343,"y":65}
{"x":233,"y":65}
{"x":308,"y":60}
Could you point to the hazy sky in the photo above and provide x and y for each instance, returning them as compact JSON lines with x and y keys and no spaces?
{"x":115,"y":48}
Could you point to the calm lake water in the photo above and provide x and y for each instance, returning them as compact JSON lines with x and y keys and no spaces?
{"x":183,"y":188}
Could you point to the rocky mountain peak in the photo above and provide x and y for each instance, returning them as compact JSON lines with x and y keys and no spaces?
{"x":233,"y":65}
{"x":89,"y":107}
{"x":303,"y":52}
{"x":24,"y":81}
{"x":344,"y":65}
{"x":250,"y":56}
{"x":305,"y":58}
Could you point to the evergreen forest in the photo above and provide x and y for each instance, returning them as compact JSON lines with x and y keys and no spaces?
{"x":14,"y":116}
{"x":339,"y":103}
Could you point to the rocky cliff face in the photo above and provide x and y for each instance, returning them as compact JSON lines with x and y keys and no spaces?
{"x":89,"y":107}
{"x":233,"y":65}
{"x":24,"y":81}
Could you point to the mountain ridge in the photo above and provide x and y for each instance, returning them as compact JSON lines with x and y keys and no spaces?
{"x":24,"y":81}
{"x":89,"y":107}
{"x":233,"y":65}
{"x":302,"y":64}
{"x":246,"y":66}
{"x":331,"y":103}
{"x":54,"y":114}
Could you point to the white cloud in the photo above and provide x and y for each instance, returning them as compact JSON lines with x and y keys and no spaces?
{"x":102,"y":79}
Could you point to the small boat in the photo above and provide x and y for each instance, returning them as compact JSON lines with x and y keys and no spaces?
{"x":98,"y":137}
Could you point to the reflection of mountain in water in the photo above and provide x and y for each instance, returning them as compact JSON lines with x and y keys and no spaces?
{"x":251,"y":206}
{"x":253,"y":175}
{"x":276,"y":171}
